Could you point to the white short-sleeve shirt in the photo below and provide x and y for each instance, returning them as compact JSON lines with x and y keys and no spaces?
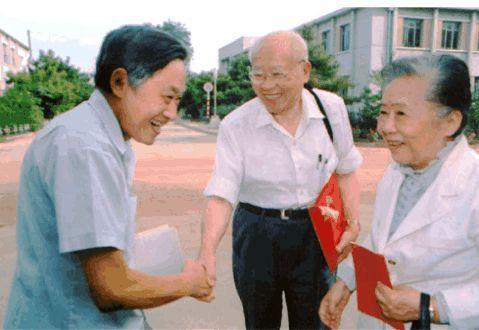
{"x":259,"y":162}
{"x":75,"y":194}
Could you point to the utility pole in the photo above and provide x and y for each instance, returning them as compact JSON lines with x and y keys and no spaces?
{"x":215,"y":120}
{"x":29,"y":46}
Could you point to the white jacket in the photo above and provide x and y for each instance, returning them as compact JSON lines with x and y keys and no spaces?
{"x":436,"y":247}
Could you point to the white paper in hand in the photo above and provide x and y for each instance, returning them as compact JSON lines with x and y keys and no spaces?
{"x":158,"y":251}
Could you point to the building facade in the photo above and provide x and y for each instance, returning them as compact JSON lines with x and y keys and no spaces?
{"x":363,"y":40}
{"x":14,"y":57}
{"x":227,"y":53}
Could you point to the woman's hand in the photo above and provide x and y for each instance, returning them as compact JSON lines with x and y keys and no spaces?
{"x":400,"y":303}
{"x":333,"y":304}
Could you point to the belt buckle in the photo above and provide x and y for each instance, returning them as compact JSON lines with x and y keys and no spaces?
{"x":283,"y":215}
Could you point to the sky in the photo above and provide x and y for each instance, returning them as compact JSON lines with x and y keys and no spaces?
{"x":76,"y":28}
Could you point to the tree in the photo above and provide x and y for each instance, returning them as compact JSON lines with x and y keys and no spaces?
{"x":234,"y":88}
{"x":179,"y":32}
{"x":57,"y":85}
{"x":473,"y":118}
{"x":19,"y":107}
{"x":324,"y":68}
{"x":194,"y":99}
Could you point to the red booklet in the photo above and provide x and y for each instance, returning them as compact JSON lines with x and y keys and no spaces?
{"x":331,"y":226}
{"x":370,"y":269}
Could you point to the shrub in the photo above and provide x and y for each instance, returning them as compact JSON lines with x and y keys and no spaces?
{"x":19,"y":107}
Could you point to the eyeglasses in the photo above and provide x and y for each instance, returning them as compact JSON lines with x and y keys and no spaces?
{"x":277,"y":76}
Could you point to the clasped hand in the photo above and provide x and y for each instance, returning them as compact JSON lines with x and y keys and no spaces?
{"x":196,"y":279}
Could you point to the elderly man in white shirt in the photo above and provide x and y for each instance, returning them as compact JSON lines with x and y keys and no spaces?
{"x":273,"y":157}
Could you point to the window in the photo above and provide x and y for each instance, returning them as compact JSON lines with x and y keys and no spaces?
{"x":344,"y":35}
{"x":6,"y":58}
{"x":450,"y":34}
{"x":476,"y":86}
{"x":412,"y":32}
{"x":325,"y":40}
{"x":13,"y":57}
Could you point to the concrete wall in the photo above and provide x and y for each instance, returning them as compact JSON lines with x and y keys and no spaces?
{"x":231,"y":50}
{"x":16,"y":54}
{"x":368,"y":51}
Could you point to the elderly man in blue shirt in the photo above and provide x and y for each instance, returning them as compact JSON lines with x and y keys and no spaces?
{"x":76,"y":206}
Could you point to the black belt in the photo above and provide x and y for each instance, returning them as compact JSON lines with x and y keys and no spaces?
{"x":289,"y":214}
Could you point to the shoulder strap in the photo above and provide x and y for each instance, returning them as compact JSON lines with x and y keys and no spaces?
{"x":321,"y":108}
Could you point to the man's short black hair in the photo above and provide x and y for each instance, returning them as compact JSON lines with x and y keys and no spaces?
{"x":139,"y":49}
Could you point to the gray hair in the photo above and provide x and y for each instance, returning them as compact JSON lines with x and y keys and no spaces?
{"x":450,"y":85}
{"x":296,"y":42}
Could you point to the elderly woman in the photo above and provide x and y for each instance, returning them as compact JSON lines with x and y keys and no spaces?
{"x":426,"y":216}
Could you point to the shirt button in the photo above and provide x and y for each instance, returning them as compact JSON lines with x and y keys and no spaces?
{"x":391,"y":262}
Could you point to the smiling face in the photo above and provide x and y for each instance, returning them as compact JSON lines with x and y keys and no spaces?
{"x":284,"y":75}
{"x":409,"y":122}
{"x":144,"y":109}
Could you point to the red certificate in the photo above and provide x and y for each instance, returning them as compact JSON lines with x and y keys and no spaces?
{"x":370,"y":269}
{"x":328,"y":220}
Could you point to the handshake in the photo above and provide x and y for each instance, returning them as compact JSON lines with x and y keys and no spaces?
{"x":199,"y":277}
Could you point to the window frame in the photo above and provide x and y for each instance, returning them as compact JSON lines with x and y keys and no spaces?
{"x":325,"y":42}
{"x":344,"y":31}
{"x":416,"y":32}
{"x":450,"y":34}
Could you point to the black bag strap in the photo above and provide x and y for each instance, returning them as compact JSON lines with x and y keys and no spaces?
{"x":321,"y":108}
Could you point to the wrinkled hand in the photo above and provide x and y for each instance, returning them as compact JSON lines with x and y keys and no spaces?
{"x":400,"y":303}
{"x":333,"y":304}
{"x":344,"y":246}
{"x":209,"y":261}
{"x":195,"y":277}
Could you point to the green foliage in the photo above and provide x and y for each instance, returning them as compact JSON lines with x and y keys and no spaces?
{"x":233,"y":89}
{"x":18,"y":107}
{"x":324,"y":68}
{"x":56,"y":84}
{"x":223,"y":110}
{"x":371,"y":105}
{"x":364,"y":120}
{"x":472,"y":127}
{"x":194,"y":99}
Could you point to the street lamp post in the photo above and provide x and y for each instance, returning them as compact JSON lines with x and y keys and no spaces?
{"x":208,"y":87}
{"x":215,"y":120}
{"x":215,"y":77}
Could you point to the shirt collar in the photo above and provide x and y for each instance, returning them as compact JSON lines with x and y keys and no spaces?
{"x":109,"y":121}
{"x":309,"y":109}
{"x":435,"y":163}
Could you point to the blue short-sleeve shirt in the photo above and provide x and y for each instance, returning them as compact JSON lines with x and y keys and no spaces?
{"x":75,"y":194}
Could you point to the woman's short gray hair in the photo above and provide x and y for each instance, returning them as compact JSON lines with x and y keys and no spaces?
{"x":450,"y":84}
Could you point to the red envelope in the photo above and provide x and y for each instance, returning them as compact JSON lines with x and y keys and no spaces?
{"x":370,"y":269}
{"x":330,"y":227}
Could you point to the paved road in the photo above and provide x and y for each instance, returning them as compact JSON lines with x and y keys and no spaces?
{"x":169,"y":179}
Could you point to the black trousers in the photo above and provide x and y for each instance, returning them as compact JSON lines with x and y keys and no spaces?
{"x":272,"y":256}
